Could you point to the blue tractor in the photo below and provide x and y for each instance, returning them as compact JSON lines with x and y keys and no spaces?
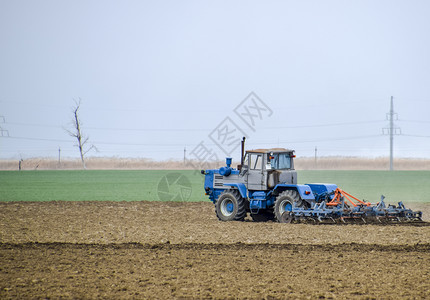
{"x":265,"y":186}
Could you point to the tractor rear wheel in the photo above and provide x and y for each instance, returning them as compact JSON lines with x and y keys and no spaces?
{"x":230,"y":206}
{"x":284,"y":203}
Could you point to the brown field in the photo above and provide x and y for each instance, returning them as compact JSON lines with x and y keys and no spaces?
{"x":301,"y":163}
{"x":167,"y":250}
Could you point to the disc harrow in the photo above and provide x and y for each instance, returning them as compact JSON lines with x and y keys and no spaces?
{"x":341,"y":207}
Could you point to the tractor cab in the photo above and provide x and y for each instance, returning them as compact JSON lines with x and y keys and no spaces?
{"x":265,"y":168}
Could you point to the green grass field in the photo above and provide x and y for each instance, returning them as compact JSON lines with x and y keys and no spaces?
{"x":406,"y":186}
{"x":118,"y":185}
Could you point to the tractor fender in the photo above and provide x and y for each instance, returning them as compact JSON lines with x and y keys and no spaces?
{"x":304,"y":191}
{"x":241,"y":187}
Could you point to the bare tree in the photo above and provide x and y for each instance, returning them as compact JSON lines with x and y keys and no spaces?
{"x":76,"y":132}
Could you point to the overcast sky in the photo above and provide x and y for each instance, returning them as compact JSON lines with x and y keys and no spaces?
{"x":155,"y":77}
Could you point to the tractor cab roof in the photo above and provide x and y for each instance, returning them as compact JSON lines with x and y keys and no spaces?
{"x":271,"y":150}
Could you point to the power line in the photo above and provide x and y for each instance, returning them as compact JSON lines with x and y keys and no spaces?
{"x":142,"y":109}
{"x":414,"y":121}
{"x":322,"y":140}
{"x":176,"y":145}
{"x":322,"y":125}
{"x":38,"y":139}
{"x":110,"y":128}
{"x":96,"y":142}
{"x":419,"y":136}
{"x":199,"y":129}
{"x":33,"y":125}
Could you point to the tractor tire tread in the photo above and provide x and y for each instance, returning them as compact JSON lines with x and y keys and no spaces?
{"x":292,"y":196}
{"x":241,"y":209}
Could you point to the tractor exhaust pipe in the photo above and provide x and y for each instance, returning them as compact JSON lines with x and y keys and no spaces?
{"x":243,"y":151}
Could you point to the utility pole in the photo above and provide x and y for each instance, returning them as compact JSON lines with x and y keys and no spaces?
{"x":391,"y":130}
{"x":185,"y":155}
{"x":59,"y":156}
{"x":391,"y":133}
{"x":316,"y":157}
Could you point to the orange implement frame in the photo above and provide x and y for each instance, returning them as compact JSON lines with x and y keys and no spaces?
{"x":337,"y":199}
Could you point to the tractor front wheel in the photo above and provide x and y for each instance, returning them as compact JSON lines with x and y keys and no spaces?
{"x":284,"y":203}
{"x":230,"y":206}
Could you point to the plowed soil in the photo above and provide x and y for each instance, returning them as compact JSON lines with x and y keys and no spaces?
{"x":167,"y":250}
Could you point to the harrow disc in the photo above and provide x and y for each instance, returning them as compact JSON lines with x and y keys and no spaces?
{"x":287,"y":217}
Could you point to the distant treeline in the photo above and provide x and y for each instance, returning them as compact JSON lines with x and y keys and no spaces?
{"x":301,"y":163}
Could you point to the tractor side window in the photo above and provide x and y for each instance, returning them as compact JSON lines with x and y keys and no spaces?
{"x":255,"y":161}
{"x":274,"y":161}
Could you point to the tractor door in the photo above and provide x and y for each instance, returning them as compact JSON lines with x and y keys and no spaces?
{"x":256,"y":177}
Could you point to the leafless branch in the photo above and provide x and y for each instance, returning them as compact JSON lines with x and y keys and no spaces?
{"x":76,"y":132}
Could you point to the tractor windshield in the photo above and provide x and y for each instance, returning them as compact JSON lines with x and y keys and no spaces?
{"x":280,"y":161}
